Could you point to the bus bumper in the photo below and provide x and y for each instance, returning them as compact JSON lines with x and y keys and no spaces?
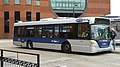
{"x":17,"y":43}
{"x":95,"y":50}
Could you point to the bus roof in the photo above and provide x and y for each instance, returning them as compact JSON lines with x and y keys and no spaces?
{"x":49,"y":21}
{"x":113,"y":18}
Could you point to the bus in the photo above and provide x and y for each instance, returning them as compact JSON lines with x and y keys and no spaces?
{"x":115,"y":24}
{"x":85,"y":34}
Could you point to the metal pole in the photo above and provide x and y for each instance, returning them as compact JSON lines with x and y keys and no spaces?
{"x":17,"y":55}
{"x":32,"y":11}
{"x":1,"y":58}
{"x":38,"y":61}
{"x":73,"y":12}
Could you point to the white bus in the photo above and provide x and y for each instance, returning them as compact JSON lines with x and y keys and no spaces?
{"x":115,"y":24}
{"x":87,"y":34}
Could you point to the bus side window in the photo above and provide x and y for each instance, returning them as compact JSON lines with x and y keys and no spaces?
{"x":44,"y":32}
{"x":56,"y":32}
{"x":83,"y":30}
{"x":50,"y":33}
{"x":66,"y":31}
{"x":47,"y":32}
{"x":30,"y":31}
{"x":38,"y":31}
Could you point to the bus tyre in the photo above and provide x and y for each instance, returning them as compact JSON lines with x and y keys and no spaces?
{"x":29,"y":44}
{"x":66,"y":47}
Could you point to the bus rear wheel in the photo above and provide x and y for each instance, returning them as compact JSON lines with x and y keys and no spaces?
{"x":29,"y":44}
{"x":66,"y":47}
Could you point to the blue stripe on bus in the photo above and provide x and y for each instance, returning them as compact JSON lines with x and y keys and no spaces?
{"x":103,"y":44}
{"x":41,"y":40}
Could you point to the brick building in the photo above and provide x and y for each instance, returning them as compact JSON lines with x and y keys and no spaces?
{"x":12,"y":11}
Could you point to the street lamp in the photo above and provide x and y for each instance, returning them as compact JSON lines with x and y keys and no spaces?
{"x":74,"y":10}
{"x":32,"y":16}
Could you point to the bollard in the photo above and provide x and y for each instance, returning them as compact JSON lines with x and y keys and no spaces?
{"x":1,"y":58}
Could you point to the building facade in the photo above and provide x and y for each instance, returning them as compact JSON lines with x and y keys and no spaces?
{"x":12,"y":11}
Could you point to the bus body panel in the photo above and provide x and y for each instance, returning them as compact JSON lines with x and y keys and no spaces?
{"x":96,"y":48}
{"x":77,"y":45}
{"x":47,"y":45}
{"x":18,"y":43}
{"x":87,"y":47}
{"x":80,"y":45}
{"x":51,"y":43}
{"x":39,"y":45}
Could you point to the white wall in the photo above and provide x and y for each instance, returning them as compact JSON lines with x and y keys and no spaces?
{"x":115,"y":7}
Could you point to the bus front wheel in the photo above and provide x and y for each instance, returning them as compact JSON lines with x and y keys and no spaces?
{"x":29,"y":44}
{"x":66,"y":47}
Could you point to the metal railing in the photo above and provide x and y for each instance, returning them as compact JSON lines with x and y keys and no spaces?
{"x":7,"y":61}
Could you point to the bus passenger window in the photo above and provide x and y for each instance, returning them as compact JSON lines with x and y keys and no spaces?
{"x":56,"y":33}
{"x":50,"y":33}
{"x":47,"y":32}
{"x":66,"y":31}
{"x":20,"y":32}
{"x":30,"y":31}
{"x":38,"y":31}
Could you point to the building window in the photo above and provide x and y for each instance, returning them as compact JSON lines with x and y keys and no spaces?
{"x":64,"y":8}
{"x":37,"y":2}
{"x":17,"y":1}
{"x":29,"y":2}
{"x":6,"y":22}
{"x":6,"y":1}
{"x":28,"y":16}
{"x":37,"y":16}
{"x":17,"y":16}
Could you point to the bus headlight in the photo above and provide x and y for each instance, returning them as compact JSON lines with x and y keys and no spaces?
{"x":92,"y":43}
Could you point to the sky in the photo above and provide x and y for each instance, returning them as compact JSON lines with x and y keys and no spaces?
{"x":115,"y":7}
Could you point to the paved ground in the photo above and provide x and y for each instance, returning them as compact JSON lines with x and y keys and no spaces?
{"x":52,"y":58}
